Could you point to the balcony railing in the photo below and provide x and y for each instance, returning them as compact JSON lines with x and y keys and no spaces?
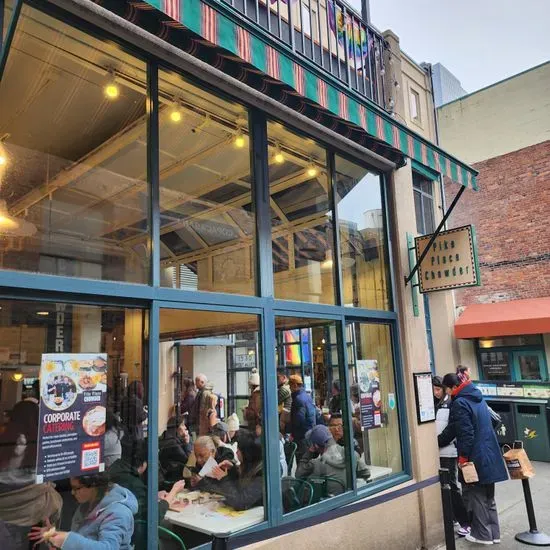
{"x":328,"y":33}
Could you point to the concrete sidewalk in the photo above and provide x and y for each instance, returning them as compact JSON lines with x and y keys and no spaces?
{"x":512,"y":512}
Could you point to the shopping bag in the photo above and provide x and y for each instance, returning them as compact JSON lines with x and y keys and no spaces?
{"x":469,"y":472}
{"x":518,"y":463}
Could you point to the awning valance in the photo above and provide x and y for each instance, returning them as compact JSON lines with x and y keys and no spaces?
{"x":504,"y":319}
{"x":237,"y":41}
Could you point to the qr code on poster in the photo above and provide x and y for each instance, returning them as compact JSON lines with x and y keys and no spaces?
{"x":90,"y":459}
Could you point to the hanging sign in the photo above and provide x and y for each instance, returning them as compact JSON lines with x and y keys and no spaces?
{"x":425,"y":405}
{"x":370,"y":398}
{"x":451,"y":261}
{"x":73,"y":397}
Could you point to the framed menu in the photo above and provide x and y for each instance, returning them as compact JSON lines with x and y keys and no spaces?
{"x":425,"y":406}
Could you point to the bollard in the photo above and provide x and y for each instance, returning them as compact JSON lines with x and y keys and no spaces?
{"x":444,"y":480}
{"x":533,"y":537}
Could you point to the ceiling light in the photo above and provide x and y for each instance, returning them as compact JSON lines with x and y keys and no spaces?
{"x":3,"y":159}
{"x":43,"y":313}
{"x":239,"y":140}
{"x":279,"y":157}
{"x":17,"y":376}
{"x":111,"y":91}
{"x":11,"y":226}
{"x":312,"y":171}
{"x":176,"y":114}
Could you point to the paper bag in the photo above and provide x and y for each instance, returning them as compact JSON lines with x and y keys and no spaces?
{"x":469,"y":473}
{"x":518,"y":464}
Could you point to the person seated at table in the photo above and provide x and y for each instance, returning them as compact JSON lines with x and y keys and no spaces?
{"x":246,"y":491}
{"x":325,"y":458}
{"x":226,"y":449}
{"x":128,"y":472}
{"x":336,"y":427}
{"x":104,"y":518}
{"x":175,"y":447}
{"x":234,"y":425}
{"x":203,"y":449}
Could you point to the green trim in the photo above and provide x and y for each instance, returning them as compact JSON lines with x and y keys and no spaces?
{"x":432,"y":175}
{"x":191,"y":15}
{"x":227,"y":34}
{"x":257,"y":49}
{"x":353,"y":111}
{"x":388,"y":131}
{"x":287,"y":71}
{"x":311,"y":86}
{"x":333,"y":101}
{"x":476,"y":256}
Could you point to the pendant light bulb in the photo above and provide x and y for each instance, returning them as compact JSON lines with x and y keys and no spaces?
{"x":279,"y":158}
{"x":312,"y":171}
{"x":3,"y":159}
{"x":239,"y":140}
{"x":111,"y":90}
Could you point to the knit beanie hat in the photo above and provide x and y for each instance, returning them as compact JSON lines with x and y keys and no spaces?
{"x":254,"y":378}
{"x":233,"y":423}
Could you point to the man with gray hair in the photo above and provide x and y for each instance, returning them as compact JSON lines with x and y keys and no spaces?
{"x":194,"y":413}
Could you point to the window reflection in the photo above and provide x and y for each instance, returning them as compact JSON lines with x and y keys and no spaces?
{"x":207,"y":218}
{"x":365,"y":270}
{"x":73,"y":181}
{"x":301,"y":219}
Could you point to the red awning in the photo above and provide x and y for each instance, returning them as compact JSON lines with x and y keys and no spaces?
{"x":504,"y":319}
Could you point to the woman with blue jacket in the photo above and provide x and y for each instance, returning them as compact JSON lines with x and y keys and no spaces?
{"x":476,"y":441}
{"x":103,"y":521}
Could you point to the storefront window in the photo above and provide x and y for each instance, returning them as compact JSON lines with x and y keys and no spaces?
{"x":73,"y":419}
{"x":312,"y":412}
{"x":213,"y":443}
{"x":301,"y":218}
{"x":73,"y":193}
{"x":363,"y":238}
{"x":207,"y":218}
{"x":374,"y":399}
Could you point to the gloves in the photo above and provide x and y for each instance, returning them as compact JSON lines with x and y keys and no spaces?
{"x":462,"y":460}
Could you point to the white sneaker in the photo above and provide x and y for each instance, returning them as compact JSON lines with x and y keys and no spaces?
{"x":469,"y":538}
{"x":463,"y":531}
{"x":496,"y":541}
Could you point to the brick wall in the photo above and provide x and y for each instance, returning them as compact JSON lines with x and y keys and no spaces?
{"x":511,"y":214}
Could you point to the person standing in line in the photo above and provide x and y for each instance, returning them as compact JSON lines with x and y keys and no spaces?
{"x":253,"y":411}
{"x":194,"y":411}
{"x":476,"y":441}
{"x":464,"y":373}
{"x":448,"y":456}
{"x":133,"y":412}
{"x":188,"y":398}
{"x":302,"y":414}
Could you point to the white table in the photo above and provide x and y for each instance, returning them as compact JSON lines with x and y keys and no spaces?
{"x":376,"y":472}
{"x":204,"y":519}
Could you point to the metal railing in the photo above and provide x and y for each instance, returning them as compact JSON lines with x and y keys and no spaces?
{"x":328,"y":33}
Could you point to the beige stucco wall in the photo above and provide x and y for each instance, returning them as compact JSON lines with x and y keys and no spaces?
{"x":502,"y":118}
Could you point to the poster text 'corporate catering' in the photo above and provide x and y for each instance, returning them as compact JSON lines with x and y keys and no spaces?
{"x":73,"y":396}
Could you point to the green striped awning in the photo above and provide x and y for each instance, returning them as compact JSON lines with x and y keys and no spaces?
{"x":218,"y":29}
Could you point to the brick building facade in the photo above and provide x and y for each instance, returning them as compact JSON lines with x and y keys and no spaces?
{"x":510,"y":214}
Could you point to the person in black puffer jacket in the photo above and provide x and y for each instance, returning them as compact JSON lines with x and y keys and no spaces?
{"x":476,"y":441}
{"x":174,"y":449}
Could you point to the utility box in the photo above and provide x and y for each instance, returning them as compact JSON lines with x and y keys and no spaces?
{"x":532,"y":429}
{"x":506,"y":434}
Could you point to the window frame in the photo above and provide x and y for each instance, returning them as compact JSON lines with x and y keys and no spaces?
{"x":152,"y":297}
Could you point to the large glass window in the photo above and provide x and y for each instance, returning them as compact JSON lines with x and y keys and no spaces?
{"x":423,"y":204}
{"x":207,"y":218}
{"x":301,"y":218}
{"x":73,"y":171}
{"x":365,"y":269}
{"x":374,"y":399}
{"x":312,"y":412}
{"x":73,"y":410}
{"x":212,"y":443}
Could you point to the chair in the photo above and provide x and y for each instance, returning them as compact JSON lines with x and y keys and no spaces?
{"x":140,"y":535}
{"x":290,"y":453}
{"x":297,"y":493}
{"x":320,"y":486}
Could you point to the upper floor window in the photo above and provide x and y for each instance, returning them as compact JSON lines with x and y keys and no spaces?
{"x":423,"y":204}
{"x":414,"y":103}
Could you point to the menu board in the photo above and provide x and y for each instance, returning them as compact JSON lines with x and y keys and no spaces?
{"x":539,"y":392}
{"x":370,"y":398}
{"x":510,"y":390}
{"x":425,"y":405}
{"x":73,"y":396}
{"x":487,"y":389}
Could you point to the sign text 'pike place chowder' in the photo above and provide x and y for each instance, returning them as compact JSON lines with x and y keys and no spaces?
{"x":451,"y":261}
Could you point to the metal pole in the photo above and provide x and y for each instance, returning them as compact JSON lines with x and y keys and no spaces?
{"x":533,"y":537}
{"x":446,"y":500}
{"x":365,"y":11}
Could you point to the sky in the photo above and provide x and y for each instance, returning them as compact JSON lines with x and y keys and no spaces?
{"x":480,"y":41}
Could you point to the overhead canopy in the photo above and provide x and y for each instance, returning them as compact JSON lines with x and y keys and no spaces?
{"x":504,"y":319}
{"x":223,"y":40}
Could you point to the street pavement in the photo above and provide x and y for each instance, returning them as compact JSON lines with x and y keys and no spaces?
{"x":512,"y":512}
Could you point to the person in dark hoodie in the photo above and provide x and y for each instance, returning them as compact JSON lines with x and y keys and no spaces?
{"x":303,"y":415}
{"x":448,"y":457}
{"x":476,"y":441}
{"x":175,"y":447}
{"x":128,"y":472}
{"x":104,"y":519}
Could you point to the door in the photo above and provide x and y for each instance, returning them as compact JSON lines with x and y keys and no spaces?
{"x":530,"y":366}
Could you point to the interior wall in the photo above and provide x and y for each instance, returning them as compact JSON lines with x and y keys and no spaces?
{"x":468,"y":358}
{"x":212,"y":361}
{"x":167,"y":366}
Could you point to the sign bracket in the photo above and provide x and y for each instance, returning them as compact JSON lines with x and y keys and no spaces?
{"x":436,"y":233}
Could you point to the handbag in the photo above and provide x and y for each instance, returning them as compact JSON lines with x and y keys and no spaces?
{"x":518,"y":463}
